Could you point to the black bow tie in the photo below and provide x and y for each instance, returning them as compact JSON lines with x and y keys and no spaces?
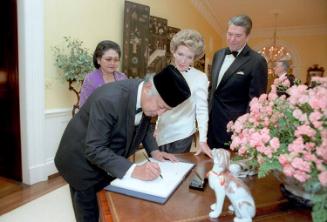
{"x":138,"y":111}
{"x":228,"y":52}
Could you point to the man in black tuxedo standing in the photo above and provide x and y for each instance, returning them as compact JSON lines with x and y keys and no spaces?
{"x":238,"y":74}
{"x":107,"y":130}
{"x":281,"y":68}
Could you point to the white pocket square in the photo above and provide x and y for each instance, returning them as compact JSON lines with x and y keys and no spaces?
{"x":240,"y":73}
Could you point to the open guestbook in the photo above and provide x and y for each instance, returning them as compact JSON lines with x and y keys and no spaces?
{"x":158,"y":190}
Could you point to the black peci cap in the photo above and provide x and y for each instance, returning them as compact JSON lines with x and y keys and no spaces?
{"x":171,"y":86}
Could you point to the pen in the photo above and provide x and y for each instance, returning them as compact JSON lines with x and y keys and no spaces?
{"x":147,"y":158}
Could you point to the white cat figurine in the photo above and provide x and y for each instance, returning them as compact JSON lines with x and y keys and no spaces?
{"x":224,"y":183}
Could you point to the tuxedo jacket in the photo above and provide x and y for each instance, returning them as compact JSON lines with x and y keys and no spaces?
{"x":245,"y":78}
{"x":98,"y":140}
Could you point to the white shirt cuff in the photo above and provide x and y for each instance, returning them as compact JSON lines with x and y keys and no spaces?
{"x":129,"y":172}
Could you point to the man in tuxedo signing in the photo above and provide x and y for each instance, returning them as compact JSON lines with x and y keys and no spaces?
{"x":238,"y":74}
{"x":107,"y":130}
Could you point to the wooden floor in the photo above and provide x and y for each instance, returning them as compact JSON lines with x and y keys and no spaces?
{"x":14,"y":194}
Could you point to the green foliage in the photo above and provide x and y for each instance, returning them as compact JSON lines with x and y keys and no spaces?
{"x":282,"y":88}
{"x":74,"y":61}
{"x":319,"y":213}
{"x":297,"y":82}
{"x":268,"y":166}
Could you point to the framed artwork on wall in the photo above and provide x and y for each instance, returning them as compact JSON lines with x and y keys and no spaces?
{"x":135,"y":39}
{"x":157,"y":44}
{"x":313,"y":71}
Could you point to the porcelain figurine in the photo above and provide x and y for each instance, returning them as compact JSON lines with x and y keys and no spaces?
{"x":224,"y":183}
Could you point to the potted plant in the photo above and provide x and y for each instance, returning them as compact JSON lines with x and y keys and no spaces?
{"x":288,"y":134}
{"x":73,"y":62}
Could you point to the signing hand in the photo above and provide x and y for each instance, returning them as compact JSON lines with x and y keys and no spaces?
{"x":204,"y":148}
{"x":147,"y":171}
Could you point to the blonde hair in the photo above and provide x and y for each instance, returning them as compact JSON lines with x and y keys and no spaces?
{"x":191,"y":39}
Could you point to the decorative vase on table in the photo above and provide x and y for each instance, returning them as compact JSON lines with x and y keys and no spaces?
{"x":295,"y":191}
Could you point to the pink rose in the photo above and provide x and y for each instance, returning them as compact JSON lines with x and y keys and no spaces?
{"x":286,"y":83}
{"x":242,"y":150}
{"x":254,"y":105}
{"x":315,"y":119}
{"x":296,"y":92}
{"x":273,"y":95}
{"x":323,"y":178}
{"x":304,"y":130}
{"x":288,"y":170}
{"x":301,"y":176}
{"x":322,"y":151}
{"x":297,"y":113}
{"x":309,"y":157}
{"x":297,"y":145}
{"x":300,"y":164}
{"x":318,"y":98}
{"x":283,"y":159}
{"x":229,"y":125}
{"x":262,"y":98}
{"x":274,"y":143}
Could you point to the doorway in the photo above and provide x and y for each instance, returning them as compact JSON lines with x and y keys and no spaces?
{"x":10,"y":144}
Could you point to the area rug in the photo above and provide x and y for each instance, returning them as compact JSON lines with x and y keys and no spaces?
{"x":55,"y":206}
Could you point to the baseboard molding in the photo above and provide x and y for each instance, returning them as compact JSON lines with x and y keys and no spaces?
{"x":56,"y":121}
{"x":53,"y":113}
{"x":52,"y":176}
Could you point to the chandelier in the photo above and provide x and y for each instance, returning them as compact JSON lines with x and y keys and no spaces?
{"x":274,"y":52}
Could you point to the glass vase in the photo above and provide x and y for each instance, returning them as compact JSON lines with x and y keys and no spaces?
{"x":295,"y":191}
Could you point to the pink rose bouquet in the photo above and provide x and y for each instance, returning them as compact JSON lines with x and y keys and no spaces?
{"x":288,"y":133}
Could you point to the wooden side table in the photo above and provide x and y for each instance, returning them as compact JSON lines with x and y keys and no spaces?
{"x":191,"y":205}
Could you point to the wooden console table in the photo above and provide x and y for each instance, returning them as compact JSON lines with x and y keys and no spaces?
{"x":192,"y":205}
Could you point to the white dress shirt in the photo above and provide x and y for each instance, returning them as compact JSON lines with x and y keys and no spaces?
{"x":138,"y":118}
{"x":229,"y":59}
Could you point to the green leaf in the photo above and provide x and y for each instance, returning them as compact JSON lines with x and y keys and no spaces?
{"x":268,"y":166}
{"x":73,"y":61}
{"x":319,"y":211}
